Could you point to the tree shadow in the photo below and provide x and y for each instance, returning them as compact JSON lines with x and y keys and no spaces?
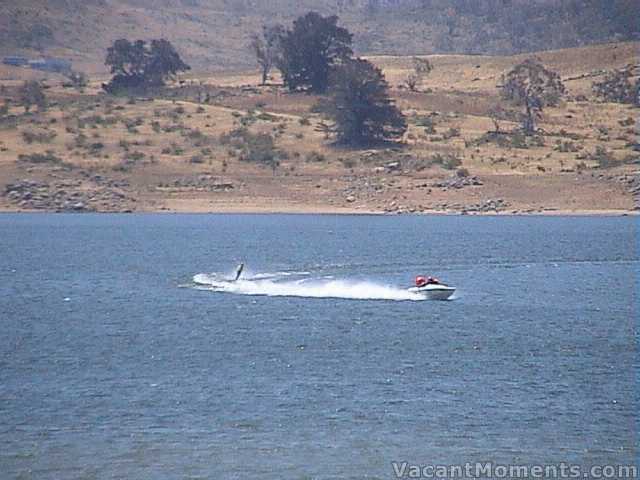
{"x":371,"y":145}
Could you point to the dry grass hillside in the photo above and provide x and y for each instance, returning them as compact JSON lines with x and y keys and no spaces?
{"x":181,"y":150}
{"x":212,"y":35}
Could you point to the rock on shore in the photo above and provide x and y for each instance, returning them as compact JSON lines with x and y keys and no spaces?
{"x":67,"y":196}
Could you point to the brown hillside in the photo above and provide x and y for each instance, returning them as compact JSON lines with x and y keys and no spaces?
{"x":174,"y":151}
{"x":212,"y":35}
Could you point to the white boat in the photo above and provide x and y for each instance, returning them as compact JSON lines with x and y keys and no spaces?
{"x":435,"y":292}
{"x":432,"y":288}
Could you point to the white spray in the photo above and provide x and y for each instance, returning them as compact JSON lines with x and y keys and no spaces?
{"x":309,"y":288}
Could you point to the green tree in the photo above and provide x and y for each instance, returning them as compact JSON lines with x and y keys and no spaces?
{"x":78,"y":80}
{"x":4,"y":109}
{"x":421,"y":68}
{"x":138,"y":64}
{"x":618,"y":86}
{"x":31,"y":93}
{"x":163,"y":62}
{"x":533,"y":86}
{"x":311,"y":49}
{"x":268,"y":49}
{"x":360,"y":106}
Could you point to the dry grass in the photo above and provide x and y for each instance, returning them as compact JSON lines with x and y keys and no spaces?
{"x":157,"y":141}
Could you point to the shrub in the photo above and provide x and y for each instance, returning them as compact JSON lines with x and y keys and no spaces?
{"x":266,"y":117}
{"x":427,"y":122}
{"x":348,"y":162}
{"x":134,"y":157}
{"x":315,"y":157}
{"x":4,"y":108}
{"x":519,"y":140}
{"x":451,"y":133}
{"x":197,"y":137}
{"x":95,"y":147}
{"x":48,"y":157}
{"x":80,"y":140}
{"x":627,"y":122}
{"x":30,"y":136}
{"x":566,"y":147}
{"x":32,"y":93}
{"x":254,"y":147}
{"x":447,"y":161}
{"x":618,"y":86}
{"x":604,"y":158}
{"x":176,"y":149}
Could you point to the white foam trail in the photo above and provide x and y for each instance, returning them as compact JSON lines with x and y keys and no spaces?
{"x":264,"y":276}
{"x":248,"y":275}
{"x":354,"y":290}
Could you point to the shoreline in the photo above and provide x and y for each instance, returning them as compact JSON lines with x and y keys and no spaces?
{"x":310,"y":210}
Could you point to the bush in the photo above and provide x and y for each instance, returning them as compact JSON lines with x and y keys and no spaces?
{"x":174,"y":150}
{"x":427,"y":122}
{"x":96,"y":147}
{"x":447,"y":161}
{"x":48,"y":157}
{"x":315,"y":157}
{"x":618,"y":86}
{"x":348,"y":162}
{"x":627,"y":122}
{"x":604,"y":158}
{"x":32,"y":93}
{"x":451,"y":133}
{"x":254,"y":147}
{"x":198,"y":138}
{"x":30,"y":136}
{"x":78,"y":80}
{"x":519,"y":140}
{"x":566,"y":147}
{"x":133,"y":157}
{"x":266,"y":117}
{"x":80,"y":140}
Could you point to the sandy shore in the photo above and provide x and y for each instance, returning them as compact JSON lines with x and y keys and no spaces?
{"x":323,"y":210}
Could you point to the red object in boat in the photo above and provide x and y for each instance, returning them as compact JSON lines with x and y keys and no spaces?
{"x":421,"y":281}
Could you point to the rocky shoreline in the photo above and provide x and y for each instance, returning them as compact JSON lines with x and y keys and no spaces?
{"x":90,"y":192}
{"x":94,"y":194}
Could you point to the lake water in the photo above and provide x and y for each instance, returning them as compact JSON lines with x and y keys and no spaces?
{"x":114,"y":365}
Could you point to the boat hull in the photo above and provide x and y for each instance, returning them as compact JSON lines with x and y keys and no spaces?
{"x":435,"y":292}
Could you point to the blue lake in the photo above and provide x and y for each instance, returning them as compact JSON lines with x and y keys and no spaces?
{"x":113,"y":365}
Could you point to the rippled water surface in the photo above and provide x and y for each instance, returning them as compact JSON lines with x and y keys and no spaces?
{"x":115,"y":363}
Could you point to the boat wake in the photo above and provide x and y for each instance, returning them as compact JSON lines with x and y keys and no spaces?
{"x":278,"y":285}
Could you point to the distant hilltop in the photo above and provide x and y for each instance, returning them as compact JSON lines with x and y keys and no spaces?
{"x":213,"y":35}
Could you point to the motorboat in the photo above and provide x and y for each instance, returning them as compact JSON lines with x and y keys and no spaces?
{"x":432,"y":288}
